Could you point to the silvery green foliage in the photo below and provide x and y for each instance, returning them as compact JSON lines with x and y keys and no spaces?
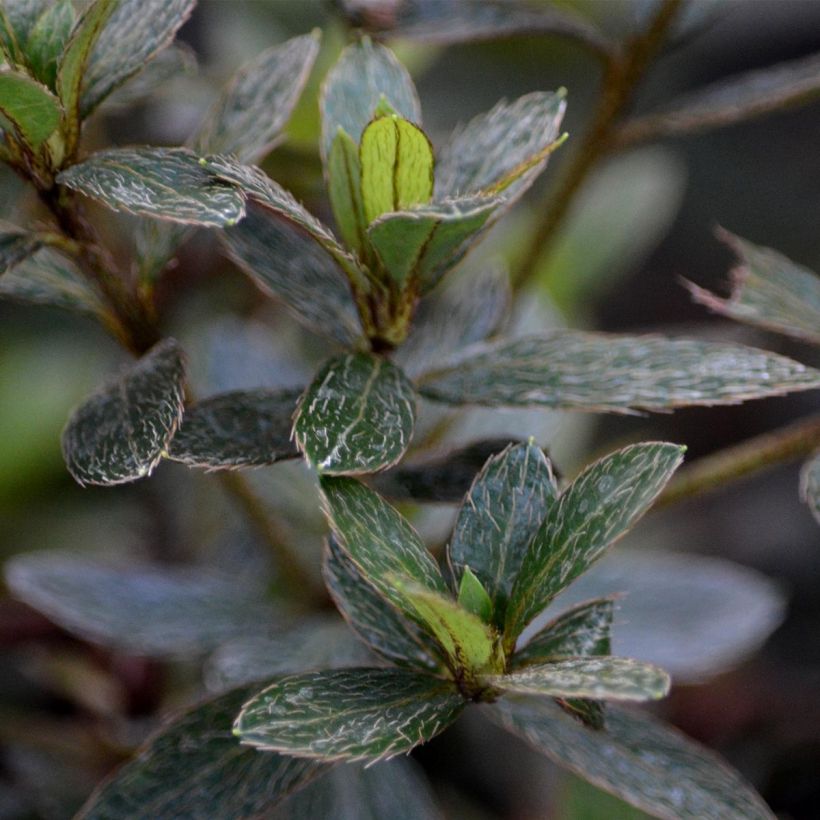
{"x":810,"y":485}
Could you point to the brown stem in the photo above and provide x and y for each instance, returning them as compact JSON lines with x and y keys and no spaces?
{"x":622,"y":71}
{"x":752,"y":456}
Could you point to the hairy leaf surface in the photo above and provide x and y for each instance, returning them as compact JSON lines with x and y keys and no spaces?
{"x":47,"y":40}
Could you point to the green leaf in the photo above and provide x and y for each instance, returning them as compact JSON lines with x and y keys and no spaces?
{"x":604,"y":678}
{"x":47,"y":40}
{"x":17,"y":19}
{"x":372,"y":617}
{"x":195,"y":768}
{"x":768,"y":290}
{"x":810,"y":485}
{"x":119,"y":434}
{"x":499,"y":516}
{"x":647,"y":764}
{"x":165,"y":183}
{"x":423,"y":244}
{"x":593,"y":512}
{"x":16,"y":244}
{"x":473,"y":597}
{"x":581,"y":631}
{"x":365,"y":72}
{"x":396,"y":159}
{"x":614,"y":373}
{"x":248,"y":118}
{"x":378,"y":540}
{"x":28,"y":107}
{"x":490,"y":147}
{"x":141,"y":609}
{"x":243,"y":428}
{"x":349,"y":714}
{"x":344,"y":174}
{"x":134,"y":33}
{"x":356,"y":417}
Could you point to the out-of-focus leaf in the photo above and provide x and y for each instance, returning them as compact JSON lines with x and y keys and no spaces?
{"x":344,"y":185}
{"x":810,"y":485}
{"x":245,"y":428}
{"x":742,"y":97}
{"x":638,"y":759}
{"x":16,"y":22}
{"x":357,"y":416}
{"x":195,"y":768}
{"x":15,"y":245}
{"x":47,"y":40}
{"x":614,"y":373}
{"x":582,"y":801}
{"x":372,"y":616}
{"x":501,"y":513}
{"x":365,"y":73}
{"x":143,"y":609}
{"x":583,"y":630}
{"x":134,"y":33}
{"x":28,"y":107}
{"x":349,"y":714}
{"x":603,"y":678}
{"x":378,"y":540}
{"x":593,"y":512}
{"x":768,"y":290}
{"x":166,"y":183}
{"x":120,"y":433}
{"x":395,"y":788}
{"x":247,"y":120}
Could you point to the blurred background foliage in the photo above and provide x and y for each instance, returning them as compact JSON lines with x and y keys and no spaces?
{"x":70,"y":711}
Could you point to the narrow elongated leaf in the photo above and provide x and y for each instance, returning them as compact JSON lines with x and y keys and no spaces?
{"x":371,"y":616}
{"x":602,"y":678}
{"x":134,"y":33}
{"x":613,"y":373}
{"x":638,"y":759}
{"x":15,"y":245}
{"x":810,"y":485}
{"x":142,"y":609}
{"x":501,"y":513}
{"x":244,"y":428}
{"x":166,"y":183}
{"x":365,"y":72}
{"x":491,"y":146}
{"x":195,"y":768}
{"x":581,"y":631}
{"x":357,"y":416}
{"x":349,"y":714}
{"x":17,"y":20}
{"x":28,"y":107}
{"x":248,"y":118}
{"x":595,"y":510}
{"x":378,"y":540}
{"x":47,"y":40}
{"x":768,"y":290}
{"x":344,"y":185}
{"x":119,"y":434}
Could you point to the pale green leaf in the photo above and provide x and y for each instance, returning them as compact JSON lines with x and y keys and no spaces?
{"x":134,"y":33}
{"x":194,"y":768}
{"x":243,"y":428}
{"x":365,"y":72}
{"x":810,"y":485}
{"x":248,"y":118}
{"x":473,"y":597}
{"x":357,"y":416}
{"x":349,"y":714}
{"x":47,"y":40}
{"x":344,"y":189}
{"x":614,"y":373}
{"x":768,"y":290}
{"x":501,"y":513}
{"x":120,"y":433}
{"x":28,"y":107}
{"x":142,"y":609}
{"x":16,"y":244}
{"x":165,"y":183}
{"x":647,"y":764}
{"x":593,"y":512}
{"x":17,"y":19}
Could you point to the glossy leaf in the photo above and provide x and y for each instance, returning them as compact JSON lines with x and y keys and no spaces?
{"x":248,"y":118}
{"x":593,"y":512}
{"x":28,"y":107}
{"x":47,"y":40}
{"x":349,"y":714}
{"x":16,"y":244}
{"x":344,"y":185}
{"x":244,"y":428}
{"x":810,"y":485}
{"x":647,"y":764}
{"x":614,"y":373}
{"x":603,"y":678}
{"x":134,"y":33}
{"x":768,"y":290}
{"x":142,"y":609}
{"x":356,"y":417}
{"x":120,"y":433}
{"x":501,"y":513}
{"x":166,"y":183}
{"x":473,"y":597}
{"x":195,"y":768}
